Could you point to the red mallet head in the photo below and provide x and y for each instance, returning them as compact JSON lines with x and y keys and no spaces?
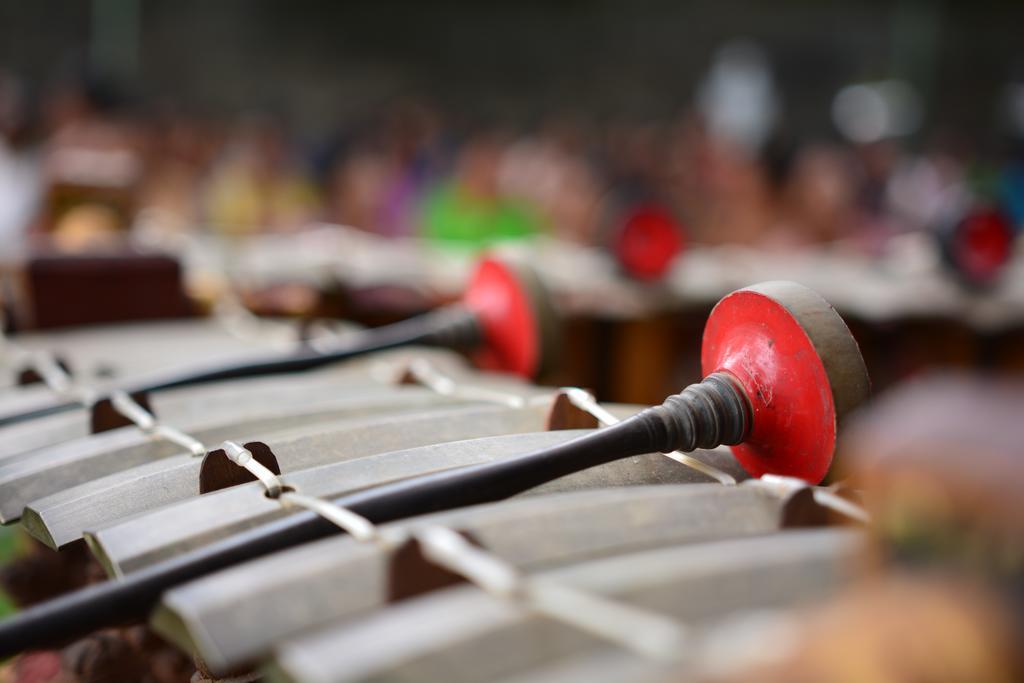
{"x":520,"y":329}
{"x":800,"y":369}
{"x":979,"y":245}
{"x":649,"y":241}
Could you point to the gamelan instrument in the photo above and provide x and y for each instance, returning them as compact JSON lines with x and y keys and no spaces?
{"x":239,"y":551}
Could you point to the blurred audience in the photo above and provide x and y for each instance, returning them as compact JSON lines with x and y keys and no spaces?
{"x":80,"y":164}
{"x":21,"y":182}
{"x":258,"y":183}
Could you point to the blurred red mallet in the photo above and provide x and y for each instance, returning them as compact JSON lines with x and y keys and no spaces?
{"x":978,"y":245}
{"x":649,"y":241}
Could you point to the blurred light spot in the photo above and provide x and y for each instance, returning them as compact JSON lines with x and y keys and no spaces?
{"x":869,"y":112}
{"x":1015,"y":108}
{"x":738,"y":97}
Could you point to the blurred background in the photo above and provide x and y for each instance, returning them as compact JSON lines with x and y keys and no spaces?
{"x":277,"y":167}
{"x":321,"y":159}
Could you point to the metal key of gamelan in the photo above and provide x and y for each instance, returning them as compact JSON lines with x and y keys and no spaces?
{"x":399,"y":420}
{"x":462,"y":634}
{"x":142,"y":347}
{"x":364,"y":422}
{"x":608,"y":665}
{"x":54,"y":476}
{"x":504,"y":317}
{"x":781,"y":370}
{"x":127,"y":353}
{"x":457,"y":439}
{"x":108,"y":356}
{"x":67,"y":471}
{"x":340,"y":579}
{"x":191,"y":407}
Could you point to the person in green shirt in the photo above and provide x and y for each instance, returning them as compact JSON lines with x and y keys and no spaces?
{"x":470,"y":210}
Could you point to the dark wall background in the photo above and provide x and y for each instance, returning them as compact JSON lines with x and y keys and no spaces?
{"x":323,"y":62}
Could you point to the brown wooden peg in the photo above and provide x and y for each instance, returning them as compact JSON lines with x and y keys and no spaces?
{"x":218,"y":472}
{"x":410,"y":573}
{"x":564,"y":414}
{"x":104,"y":416}
{"x":30,"y":375}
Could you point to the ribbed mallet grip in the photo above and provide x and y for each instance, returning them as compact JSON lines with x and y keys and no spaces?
{"x":704,"y":415}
